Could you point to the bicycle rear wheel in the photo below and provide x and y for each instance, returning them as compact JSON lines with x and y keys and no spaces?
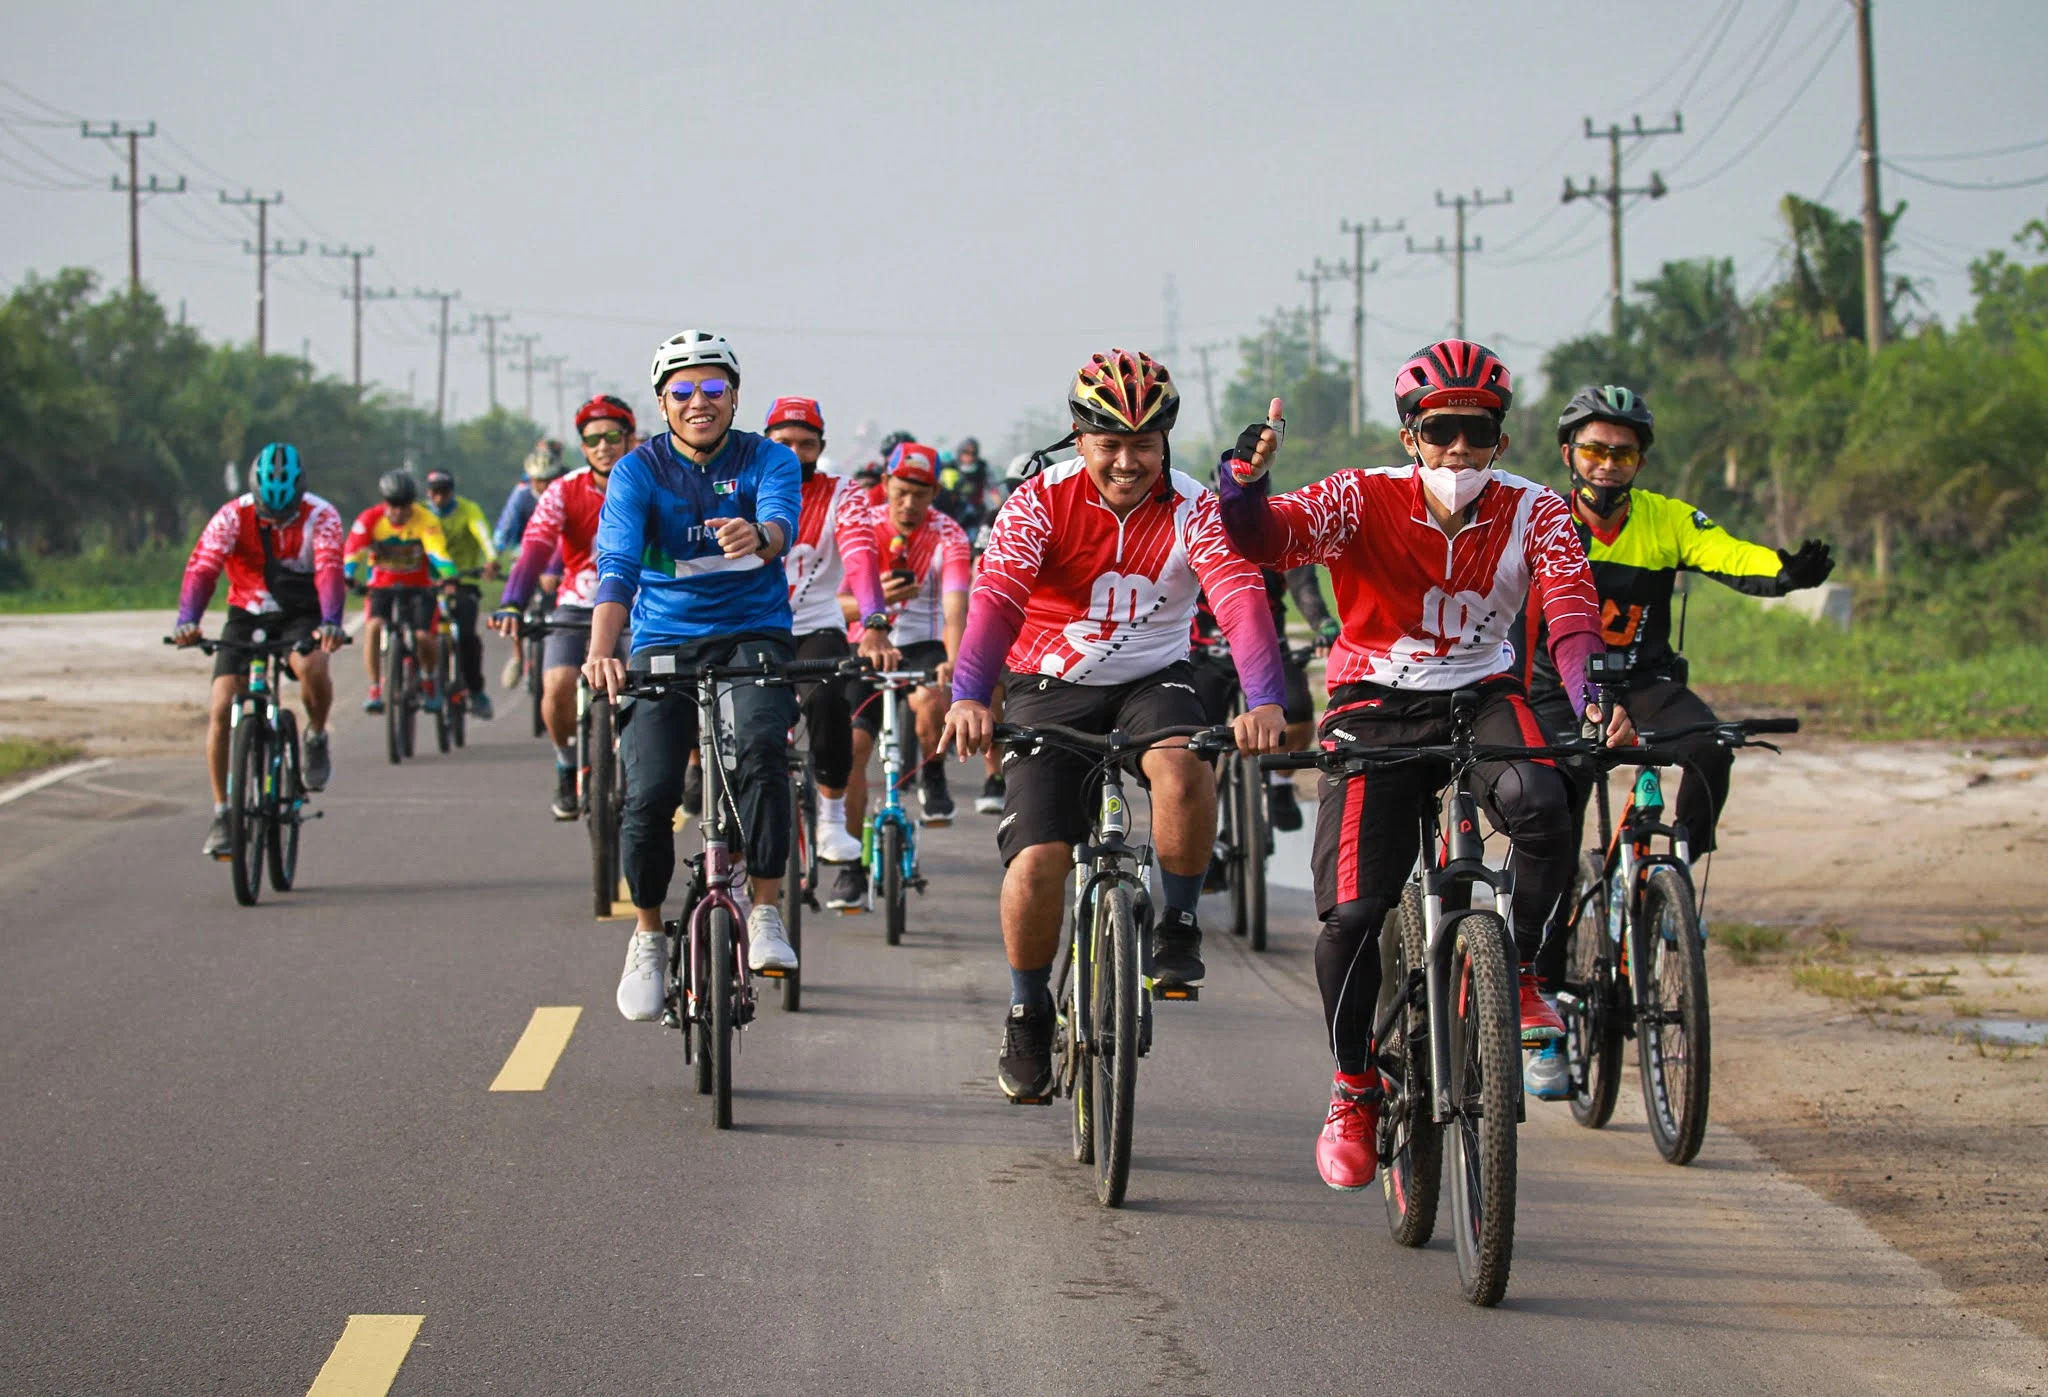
{"x":285,"y":818}
{"x":1410,"y":1140}
{"x":1256,"y":841}
{"x":394,"y":697}
{"x":444,"y":685}
{"x":1230,"y":816}
{"x":533,"y":659}
{"x":1674,"y":1039}
{"x":409,"y":714}
{"x":248,"y":778}
{"x":889,"y":840}
{"x":795,"y":869}
{"x":721,"y":988}
{"x":1485,"y":1058}
{"x":603,"y":813}
{"x":1592,"y":1041}
{"x":1113,"y":1052}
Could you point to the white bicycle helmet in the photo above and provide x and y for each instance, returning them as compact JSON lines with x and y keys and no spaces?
{"x":690,"y":349}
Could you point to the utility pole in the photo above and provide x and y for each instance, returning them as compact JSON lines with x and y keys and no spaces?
{"x":526,"y":344}
{"x":354,"y":292}
{"x":1614,"y":193}
{"x":552,"y":363}
{"x":1873,"y":218}
{"x":1209,"y":382}
{"x":1357,"y":269}
{"x":441,"y":376}
{"x":491,"y":320}
{"x":1457,"y":250}
{"x":134,"y":188}
{"x":1315,"y":277}
{"x":264,"y":252}
{"x":1170,"y":308}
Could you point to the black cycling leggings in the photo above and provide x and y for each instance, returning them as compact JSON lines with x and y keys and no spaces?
{"x":828,"y":715}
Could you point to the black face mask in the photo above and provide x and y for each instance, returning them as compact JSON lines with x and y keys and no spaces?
{"x":1602,"y":500}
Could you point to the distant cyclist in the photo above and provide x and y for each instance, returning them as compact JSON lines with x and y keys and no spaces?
{"x":398,"y":544}
{"x":990,"y":801}
{"x":1082,"y":607}
{"x":834,"y":550}
{"x":281,"y":548}
{"x":474,"y":553}
{"x":695,"y":522}
{"x":543,"y":466}
{"x":1430,"y":563}
{"x":564,"y":526}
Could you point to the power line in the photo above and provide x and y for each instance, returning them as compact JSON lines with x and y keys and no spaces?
{"x":134,"y":188}
{"x":1459,"y":247}
{"x":1991,"y":187}
{"x":1783,"y":112}
{"x":1614,"y":193}
{"x":1971,"y":154}
{"x":70,"y":118}
{"x":1763,"y":52}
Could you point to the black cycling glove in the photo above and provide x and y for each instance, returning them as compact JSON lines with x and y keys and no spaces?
{"x":1809,"y":567}
{"x":1240,"y":456}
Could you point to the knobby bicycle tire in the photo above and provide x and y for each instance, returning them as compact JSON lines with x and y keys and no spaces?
{"x":723,"y":965}
{"x":248,"y":760}
{"x":1486,"y":1053}
{"x":534,"y":651}
{"x":394,"y":697}
{"x":1412,"y":1179}
{"x":603,"y":813}
{"x":1230,"y":815}
{"x":1593,"y":1030}
{"x":409,"y":715}
{"x":802,"y":830}
{"x":890,"y":841}
{"x":1113,"y":1053}
{"x":285,"y":821}
{"x":1074,"y":990}
{"x":1674,"y":1042}
{"x":1258,"y":842}
{"x":444,"y":685}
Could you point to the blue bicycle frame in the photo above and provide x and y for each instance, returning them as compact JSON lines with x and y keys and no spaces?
{"x":889,"y":816}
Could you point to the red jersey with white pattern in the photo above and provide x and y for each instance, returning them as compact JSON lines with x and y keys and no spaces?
{"x":307,"y":546}
{"x":1421,"y":610}
{"x":938,"y":555}
{"x":567,"y":516}
{"x":832,"y":540}
{"x":1096,"y":599}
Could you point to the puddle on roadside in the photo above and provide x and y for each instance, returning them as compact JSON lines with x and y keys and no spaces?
{"x":2003,"y":1033}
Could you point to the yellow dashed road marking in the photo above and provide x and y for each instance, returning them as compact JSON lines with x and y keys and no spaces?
{"x":367,"y":1356}
{"x":533,"y":1056}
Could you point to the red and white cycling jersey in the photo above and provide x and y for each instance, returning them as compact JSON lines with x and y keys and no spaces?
{"x":938,"y":555}
{"x":1420,"y":610}
{"x":1094,"y":599}
{"x":567,"y":515}
{"x":832,"y":535}
{"x":309,"y":545}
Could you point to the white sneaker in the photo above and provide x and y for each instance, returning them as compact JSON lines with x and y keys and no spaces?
{"x":836,"y":845}
{"x":643,"y":988}
{"x":768,"y":945}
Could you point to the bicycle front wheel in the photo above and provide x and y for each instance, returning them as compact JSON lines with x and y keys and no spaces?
{"x":283,"y":843}
{"x":603,"y":813}
{"x":794,"y":870}
{"x":1485,"y":1060}
{"x":1256,"y":841}
{"x":1592,"y":1041}
{"x":1074,"y":1056}
{"x":248,"y":778}
{"x":697,"y":998}
{"x":394,"y":697}
{"x":533,"y":661}
{"x":1230,"y":819}
{"x":723,"y":941}
{"x":889,"y":840}
{"x":444,"y":716}
{"x":1673,"y":1036}
{"x":1410,"y":1139}
{"x":1113,"y":1052}
{"x":409,"y":711}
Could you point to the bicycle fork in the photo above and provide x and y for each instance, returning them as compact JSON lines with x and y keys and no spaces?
{"x":1464,"y":865}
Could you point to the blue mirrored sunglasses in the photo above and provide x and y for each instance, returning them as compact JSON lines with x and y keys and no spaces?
{"x":712,"y":388}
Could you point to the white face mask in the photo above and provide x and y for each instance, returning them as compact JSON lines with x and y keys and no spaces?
{"x":1454,"y":489}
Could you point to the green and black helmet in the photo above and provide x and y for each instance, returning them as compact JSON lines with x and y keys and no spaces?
{"x":1609,"y":403}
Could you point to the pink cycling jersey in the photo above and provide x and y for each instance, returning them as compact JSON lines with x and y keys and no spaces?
{"x":1068,"y":589}
{"x":1421,"y":610}
{"x":938,"y":555}
{"x":834,"y":548}
{"x":566,"y":518}
{"x":308,"y":544}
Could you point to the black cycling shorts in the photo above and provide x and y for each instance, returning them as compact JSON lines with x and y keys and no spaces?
{"x":242,"y":626}
{"x":422,"y":610}
{"x":1216,"y":682}
{"x":867,"y":701}
{"x":1047,"y":796}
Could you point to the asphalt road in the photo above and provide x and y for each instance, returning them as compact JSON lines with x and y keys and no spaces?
{"x":228,"y":1131}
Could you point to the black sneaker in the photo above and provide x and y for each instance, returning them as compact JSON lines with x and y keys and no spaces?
{"x":1283,"y":807}
{"x":849,"y":889}
{"x":693,"y":790}
{"x":1024,"y":1070}
{"x":1177,"y":949}
{"x":217,"y":843}
{"x":936,"y":799}
{"x":319,"y":763}
{"x":990,"y":801}
{"x":565,"y":803}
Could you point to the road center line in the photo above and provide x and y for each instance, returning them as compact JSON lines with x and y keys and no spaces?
{"x":533,"y":1056}
{"x":367,"y":1356}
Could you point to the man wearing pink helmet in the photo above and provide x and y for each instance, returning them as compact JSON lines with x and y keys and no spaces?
{"x":1430,"y":563}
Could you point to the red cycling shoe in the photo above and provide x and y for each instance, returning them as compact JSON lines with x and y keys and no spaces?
{"x":1540,"y":1023}
{"x":1347,"y":1152}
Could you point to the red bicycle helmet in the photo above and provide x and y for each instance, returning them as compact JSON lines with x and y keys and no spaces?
{"x":915,"y":462}
{"x":1123,"y":391}
{"x":801,"y":412}
{"x":1452,"y":373}
{"x":604,"y":405}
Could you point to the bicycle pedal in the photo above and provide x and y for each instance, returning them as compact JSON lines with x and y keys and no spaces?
{"x":223,"y":858}
{"x":772,"y":972}
{"x":1045,"y":1100}
{"x":1177,"y":993}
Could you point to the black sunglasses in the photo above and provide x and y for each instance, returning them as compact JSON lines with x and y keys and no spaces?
{"x":1482,"y":433}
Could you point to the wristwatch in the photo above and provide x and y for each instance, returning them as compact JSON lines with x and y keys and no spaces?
{"x":877,"y":621}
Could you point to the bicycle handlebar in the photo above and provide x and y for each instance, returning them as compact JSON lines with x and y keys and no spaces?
{"x":256,"y":647}
{"x":1203,"y":738}
{"x":899,"y":678}
{"x":646,"y":684}
{"x":1648,"y":752}
{"x":1736,"y":730}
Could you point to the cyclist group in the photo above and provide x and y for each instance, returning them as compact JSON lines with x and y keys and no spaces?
{"x":1109,"y":589}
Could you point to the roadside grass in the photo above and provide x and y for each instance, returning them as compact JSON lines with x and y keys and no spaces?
{"x":24,"y":756}
{"x":1874,"y":682}
{"x":1851,"y":986}
{"x":1746,"y":942}
{"x":100,"y":579}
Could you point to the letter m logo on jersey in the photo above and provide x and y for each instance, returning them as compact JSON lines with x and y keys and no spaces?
{"x":1115,"y":599}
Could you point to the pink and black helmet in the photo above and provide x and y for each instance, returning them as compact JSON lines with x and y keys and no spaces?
{"x":1452,"y":373}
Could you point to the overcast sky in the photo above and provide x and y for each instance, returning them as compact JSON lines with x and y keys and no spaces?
{"x":927,"y":214}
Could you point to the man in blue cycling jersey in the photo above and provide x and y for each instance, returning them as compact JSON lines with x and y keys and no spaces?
{"x":695,"y":522}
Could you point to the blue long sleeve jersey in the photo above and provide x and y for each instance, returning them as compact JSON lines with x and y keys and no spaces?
{"x":519,"y":506}
{"x":654,"y":553}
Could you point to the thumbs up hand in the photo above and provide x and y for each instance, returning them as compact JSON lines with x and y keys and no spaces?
{"x":1257,"y":445}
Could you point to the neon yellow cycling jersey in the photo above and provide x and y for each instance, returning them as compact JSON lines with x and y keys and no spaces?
{"x":468,"y":535}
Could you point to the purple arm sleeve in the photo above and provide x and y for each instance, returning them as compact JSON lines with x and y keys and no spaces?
{"x":1247,"y":521}
{"x":533,"y":561}
{"x":1571,"y":653}
{"x":991,"y":630}
{"x":1254,"y":648}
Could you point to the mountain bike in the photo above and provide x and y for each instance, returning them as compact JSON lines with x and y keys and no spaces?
{"x":889,"y":843}
{"x":1636,"y":963}
{"x":600,"y":779}
{"x":711,"y":991}
{"x":1447,"y":1029}
{"x":401,"y":668}
{"x":1103,"y":995}
{"x":451,"y":720}
{"x":266,"y":792}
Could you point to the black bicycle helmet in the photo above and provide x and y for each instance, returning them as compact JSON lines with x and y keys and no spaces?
{"x":399,"y":487}
{"x":1609,"y":403}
